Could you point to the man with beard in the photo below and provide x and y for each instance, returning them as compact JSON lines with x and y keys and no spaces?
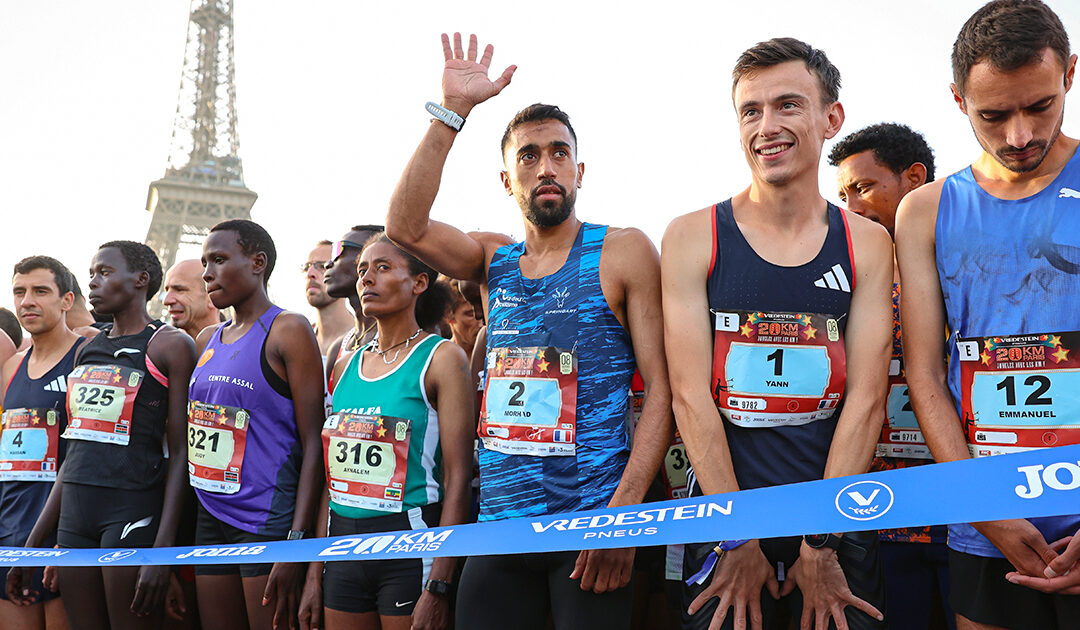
{"x":561,"y":308}
{"x":340,"y":282}
{"x":331,"y":318}
{"x":991,"y":254}
{"x":189,"y":306}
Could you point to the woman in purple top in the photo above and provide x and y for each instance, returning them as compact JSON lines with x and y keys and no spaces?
{"x":254,"y":420}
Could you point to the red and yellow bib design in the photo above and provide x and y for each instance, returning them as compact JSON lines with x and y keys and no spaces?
{"x":100,"y":402}
{"x":776,"y":369}
{"x":217,"y":435}
{"x":28,"y":444}
{"x":1020,"y":392}
{"x":530,"y":401}
{"x":367,"y":460}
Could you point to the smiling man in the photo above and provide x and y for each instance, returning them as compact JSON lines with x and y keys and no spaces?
{"x":777,"y":324}
{"x":991,"y":254}
{"x":572,"y":309}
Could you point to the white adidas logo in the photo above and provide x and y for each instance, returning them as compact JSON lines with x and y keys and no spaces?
{"x":58,"y":384}
{"x":834,"y":279}
{"x":1068,"y":193}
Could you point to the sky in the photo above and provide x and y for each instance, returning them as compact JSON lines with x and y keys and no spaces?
{"x":331,"y":93}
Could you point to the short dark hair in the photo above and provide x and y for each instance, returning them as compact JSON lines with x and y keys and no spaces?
{"x":324,"y":243}
{"x":252,"y":239}
{"x":140,"y":257}
{"x":75,"y":288}
{"x":10,"y":325}
{"x":536,"y":113}
{"x":895,"y":146}
{"x":783,"y":49}
{"x":1009,"y":34}
{"x":432,"y":304}
{"x":61,"y":274}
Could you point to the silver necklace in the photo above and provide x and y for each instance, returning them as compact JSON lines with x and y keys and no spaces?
{"x":382,"y":352}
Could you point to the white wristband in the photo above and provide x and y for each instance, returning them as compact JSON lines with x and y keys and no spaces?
{"x":445,"y":116}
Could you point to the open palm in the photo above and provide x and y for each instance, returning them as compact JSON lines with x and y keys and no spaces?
{"x":465,"y":80}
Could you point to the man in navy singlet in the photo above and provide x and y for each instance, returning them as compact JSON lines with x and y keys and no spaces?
{"x":33,"y":388}
{"x":784,"y":299}
{"x":991,"y":254}
{"x":559,"y":357}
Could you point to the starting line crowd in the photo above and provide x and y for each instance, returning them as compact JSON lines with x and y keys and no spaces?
{"x":579,"y":369}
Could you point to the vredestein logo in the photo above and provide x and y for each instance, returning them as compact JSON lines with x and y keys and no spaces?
{"x":605,"y":525}
{"x":117,"y":555}
{"x":864,"y":500}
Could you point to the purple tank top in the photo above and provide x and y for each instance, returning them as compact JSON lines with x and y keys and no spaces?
{"x":237,"y":377}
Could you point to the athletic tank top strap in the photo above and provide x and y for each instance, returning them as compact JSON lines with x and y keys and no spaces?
{"x":740,"y":279}
{"x":565,"y":310}
{"x":255,"y":489}
{"x":135,"y":459}
{"x":400,"y":394}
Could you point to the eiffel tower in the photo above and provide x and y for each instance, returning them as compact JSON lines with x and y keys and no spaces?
{"x":204,"y":181}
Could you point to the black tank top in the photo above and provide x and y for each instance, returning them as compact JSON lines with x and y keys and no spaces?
{"x":741,"y":280}
{"x":139,"y":465}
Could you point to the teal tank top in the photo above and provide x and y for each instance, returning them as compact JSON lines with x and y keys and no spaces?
{"x":399,"y":393}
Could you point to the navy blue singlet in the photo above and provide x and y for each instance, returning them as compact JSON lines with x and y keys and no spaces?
{"x":739,"y":279}
{"x":22,"y":501}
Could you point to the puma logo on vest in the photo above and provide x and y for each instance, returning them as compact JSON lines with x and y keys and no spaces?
{"x":1068,"y":193}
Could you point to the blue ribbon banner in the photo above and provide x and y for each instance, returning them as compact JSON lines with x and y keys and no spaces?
{"x":1022,"y":485}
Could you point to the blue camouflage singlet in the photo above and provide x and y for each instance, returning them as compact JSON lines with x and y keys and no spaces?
{"x":566,"y":309}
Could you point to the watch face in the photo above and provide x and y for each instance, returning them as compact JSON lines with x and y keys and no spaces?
{"x":816,"y":540}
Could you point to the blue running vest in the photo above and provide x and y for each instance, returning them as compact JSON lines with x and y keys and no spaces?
{"x":1008,"y":267}
{"x":566,"y":309}
{"x":739,"y":279}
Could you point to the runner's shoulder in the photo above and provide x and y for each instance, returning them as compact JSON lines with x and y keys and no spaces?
{"x":167,"y":342}
{"x":291,"y":323}
{"x":920,"y":206}
{"x":630,"y":242}
{"x":865,"y":230}
{"x":696,"y":224}
{"x":491,"y":241}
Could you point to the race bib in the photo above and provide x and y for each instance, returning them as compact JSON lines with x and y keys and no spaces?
{"x":900,"y":434}
{"x":1021,"y":392}
{"x":217,"y":435}
{"x":675,"y":467}
{"x":29,"y":439}
{"x":777,"y":369}
{"x":530,"y":401}
{"x":100,"y":400}
{"x":367,"y":458}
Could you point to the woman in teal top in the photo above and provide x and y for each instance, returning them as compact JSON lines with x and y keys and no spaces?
{"x":398,"y":450}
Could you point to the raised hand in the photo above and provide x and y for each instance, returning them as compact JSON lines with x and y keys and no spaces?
{"x":465,"y":81}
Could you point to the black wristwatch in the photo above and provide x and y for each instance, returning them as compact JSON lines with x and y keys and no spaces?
{"x":822,"y":541}
{"x":296,"y":534}
{"x":438,"y":587}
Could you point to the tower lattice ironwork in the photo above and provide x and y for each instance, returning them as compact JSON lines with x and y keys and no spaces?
{"x":204,"y":180}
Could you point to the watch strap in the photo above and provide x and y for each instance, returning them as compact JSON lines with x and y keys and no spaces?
{"x":445,"y":116}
